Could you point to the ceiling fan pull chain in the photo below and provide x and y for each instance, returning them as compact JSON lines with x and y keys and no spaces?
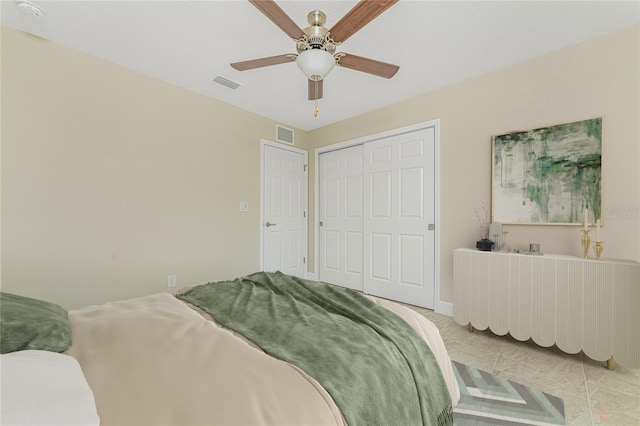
{"x":315,"y":112}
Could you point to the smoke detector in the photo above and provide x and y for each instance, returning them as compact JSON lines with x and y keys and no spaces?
{"x":31,"y":10}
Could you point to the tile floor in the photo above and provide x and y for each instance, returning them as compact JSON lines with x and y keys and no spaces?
{"x":592,"y":394}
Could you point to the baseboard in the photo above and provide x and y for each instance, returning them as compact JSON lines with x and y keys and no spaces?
{"x":444,"y":308}
{"x":311,"y":276}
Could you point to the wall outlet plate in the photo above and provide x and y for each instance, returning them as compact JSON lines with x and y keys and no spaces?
{"x":171,"y":281}
{"x":244,"y":206}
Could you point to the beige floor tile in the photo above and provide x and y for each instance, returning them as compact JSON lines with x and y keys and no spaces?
{"x":481,"y":361}
{"x":551,"y":372}
{"x":611,"y":407}
{"x":484,"y":340}
{"x":441,"y":321}
{"x":576,"y":410}
{"x":621,"y":379}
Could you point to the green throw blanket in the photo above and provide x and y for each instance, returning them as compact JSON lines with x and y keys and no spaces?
{"x":378,"y":370}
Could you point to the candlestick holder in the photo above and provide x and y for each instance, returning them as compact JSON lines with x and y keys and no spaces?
{"x":586,"y":241}
{"x":597,"y":248}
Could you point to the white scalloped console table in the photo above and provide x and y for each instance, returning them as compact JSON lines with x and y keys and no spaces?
{"x":577,"y":304}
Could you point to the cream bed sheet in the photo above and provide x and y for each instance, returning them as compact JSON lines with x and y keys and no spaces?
{"x":156,"y":361}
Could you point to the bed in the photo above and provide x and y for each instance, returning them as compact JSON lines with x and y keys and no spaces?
{"x":182,"y":360}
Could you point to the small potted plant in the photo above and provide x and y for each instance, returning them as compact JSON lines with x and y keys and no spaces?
{"x":485,"y":244}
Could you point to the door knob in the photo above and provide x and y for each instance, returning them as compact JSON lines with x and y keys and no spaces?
{"x":268,"y":224}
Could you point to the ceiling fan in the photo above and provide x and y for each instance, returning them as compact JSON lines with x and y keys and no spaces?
{"x":316,"y":44}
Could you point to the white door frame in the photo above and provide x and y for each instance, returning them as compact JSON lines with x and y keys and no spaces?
{"x":305,"y":245}
{"x":358,"y":141}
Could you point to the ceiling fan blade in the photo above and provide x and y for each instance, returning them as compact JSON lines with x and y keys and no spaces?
{"x":359,"y":16}
{"x":271,"y":10}
{"x":263,"y":62}
{"x":370,"y":66}
{"x":315,"y":89}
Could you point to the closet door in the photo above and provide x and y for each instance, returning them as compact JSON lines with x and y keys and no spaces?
{"x":341,"y":217}
{"x":399,"y":199}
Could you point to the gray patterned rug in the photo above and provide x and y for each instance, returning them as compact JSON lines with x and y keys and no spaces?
{"x":486,"y":399}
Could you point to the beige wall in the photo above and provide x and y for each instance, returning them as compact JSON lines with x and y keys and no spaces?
{"x":599,"y":78}
{"x":112,"y":180}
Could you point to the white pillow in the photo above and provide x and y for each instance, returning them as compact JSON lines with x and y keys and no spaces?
{"x":44,"y":388}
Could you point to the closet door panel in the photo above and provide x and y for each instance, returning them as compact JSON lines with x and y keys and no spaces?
{"x":340,"y":215}
{"x":398,"y":208}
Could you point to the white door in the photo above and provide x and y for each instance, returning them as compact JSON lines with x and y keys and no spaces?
{"x":340,"y":185}
{"x":399,"y":194}
{"x":284,"y":198}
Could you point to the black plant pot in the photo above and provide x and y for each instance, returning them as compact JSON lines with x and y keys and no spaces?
{"x":484,"y":244}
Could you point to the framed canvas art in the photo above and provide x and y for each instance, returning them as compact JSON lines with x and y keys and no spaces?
{"x":548,"y":175}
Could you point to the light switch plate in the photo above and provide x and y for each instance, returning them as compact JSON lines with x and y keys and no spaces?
{"x":244,"y":206}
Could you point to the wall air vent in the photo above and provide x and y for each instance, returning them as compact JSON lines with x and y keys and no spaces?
{"x":226,"y":82}
{"x":284,"y":135}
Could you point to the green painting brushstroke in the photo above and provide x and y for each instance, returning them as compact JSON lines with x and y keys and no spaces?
{"x":549,"y":175}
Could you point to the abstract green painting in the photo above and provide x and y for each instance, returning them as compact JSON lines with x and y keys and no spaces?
{"x":548,"y":175}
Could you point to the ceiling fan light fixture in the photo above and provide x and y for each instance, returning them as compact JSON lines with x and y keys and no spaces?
{"x":315,"y":63}
{"x":31,"y":10}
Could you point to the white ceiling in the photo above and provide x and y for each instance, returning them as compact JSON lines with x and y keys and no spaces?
{"x":436,"y":43}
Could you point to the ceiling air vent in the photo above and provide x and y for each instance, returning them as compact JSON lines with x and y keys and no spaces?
{"x":284,"y":135}
{"x":226,"y":82}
